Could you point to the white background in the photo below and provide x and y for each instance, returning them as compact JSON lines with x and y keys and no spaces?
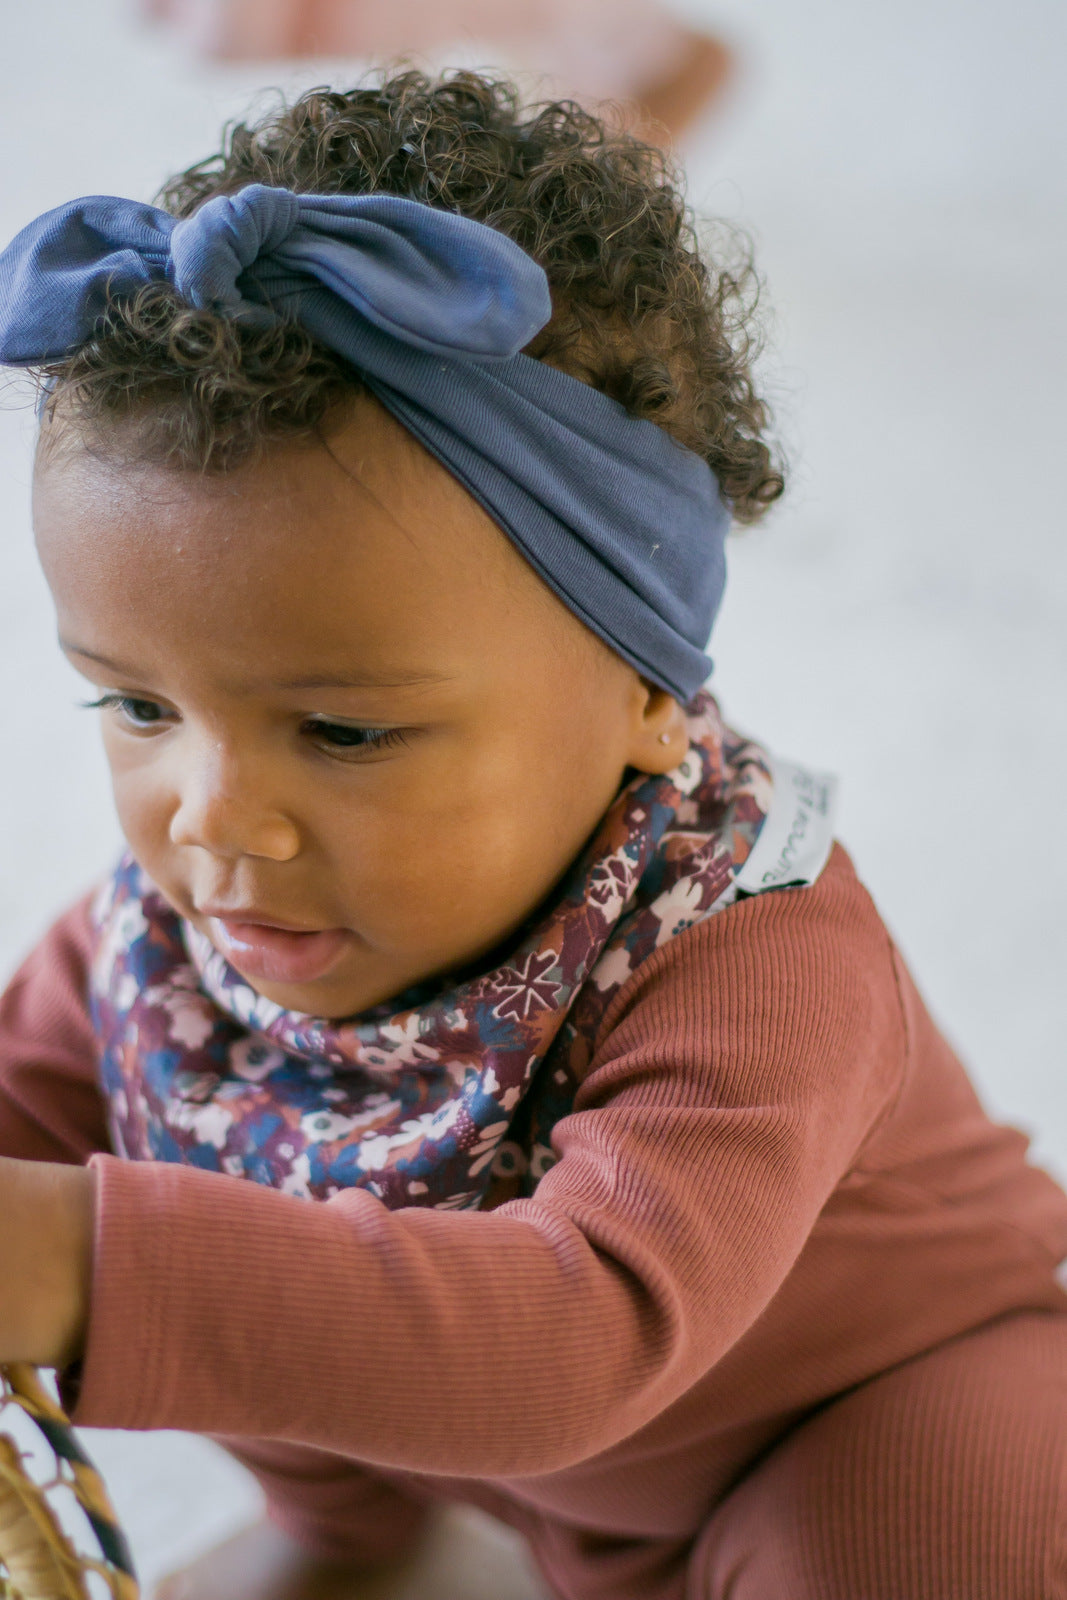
{"x":901,"y":620}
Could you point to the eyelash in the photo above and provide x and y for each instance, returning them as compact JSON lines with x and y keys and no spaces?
{"x":370,"y":738}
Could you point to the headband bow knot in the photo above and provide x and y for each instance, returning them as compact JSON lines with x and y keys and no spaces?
{"x":433,"y":310}
{"x":432,"y":279}
{"x":210,"y":250}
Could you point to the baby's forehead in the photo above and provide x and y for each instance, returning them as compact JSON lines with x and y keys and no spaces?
{"x":329,"y":499}
{"x":316,"y":562}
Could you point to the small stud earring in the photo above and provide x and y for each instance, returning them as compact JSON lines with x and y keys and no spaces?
{"x":664,"y":738}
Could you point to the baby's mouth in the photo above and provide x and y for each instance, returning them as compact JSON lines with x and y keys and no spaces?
{"x":278,"y":955}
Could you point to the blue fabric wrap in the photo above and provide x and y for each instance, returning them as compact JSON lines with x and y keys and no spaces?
{"x":433,"y":309}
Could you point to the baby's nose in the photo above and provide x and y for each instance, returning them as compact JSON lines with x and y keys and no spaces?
{"x":223,"y":810}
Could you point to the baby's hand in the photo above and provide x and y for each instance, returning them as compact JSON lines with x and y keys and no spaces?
{"x":46,"y":1241}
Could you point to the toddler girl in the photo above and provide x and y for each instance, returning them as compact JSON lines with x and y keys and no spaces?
{"x":484,"y":1079}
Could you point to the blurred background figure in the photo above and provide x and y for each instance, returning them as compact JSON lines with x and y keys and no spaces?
{"x":665,"y":72}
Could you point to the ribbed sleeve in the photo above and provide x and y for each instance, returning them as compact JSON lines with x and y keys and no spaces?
{"x":736,"y":1077}
{"x":50,"y":1106}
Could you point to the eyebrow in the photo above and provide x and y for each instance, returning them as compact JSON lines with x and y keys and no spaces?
{"x":394,"y":678}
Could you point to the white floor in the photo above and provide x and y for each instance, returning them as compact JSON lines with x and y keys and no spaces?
{"x":901,"y":620}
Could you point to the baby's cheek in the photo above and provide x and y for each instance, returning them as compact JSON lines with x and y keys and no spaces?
{"x":498,"y":866}
{"x":144,"y":807}
{"x":434,"y":891}
{"x":139,"y":800}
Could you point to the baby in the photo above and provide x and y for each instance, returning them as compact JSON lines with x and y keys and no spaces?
{"x":484,"y":1079}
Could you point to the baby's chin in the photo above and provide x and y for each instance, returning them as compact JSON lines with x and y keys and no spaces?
{"x":347,"y":989}
{"x":333,"y":999}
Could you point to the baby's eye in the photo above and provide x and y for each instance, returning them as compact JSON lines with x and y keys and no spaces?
{"x":344,"y":736}
{"x":139,"y":713}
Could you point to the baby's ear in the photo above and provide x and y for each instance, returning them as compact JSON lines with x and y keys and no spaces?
{"x":659,"y":738}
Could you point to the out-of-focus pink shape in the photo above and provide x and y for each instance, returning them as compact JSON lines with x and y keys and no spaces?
{"x":592,"y":49}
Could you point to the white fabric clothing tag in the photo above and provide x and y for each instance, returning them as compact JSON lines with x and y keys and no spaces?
{"x":795,"y":840}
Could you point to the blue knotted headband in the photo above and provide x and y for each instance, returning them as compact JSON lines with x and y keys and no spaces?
{"x":433,"y":309}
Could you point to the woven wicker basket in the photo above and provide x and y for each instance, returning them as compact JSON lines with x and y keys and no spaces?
{"x":38,"y":1560}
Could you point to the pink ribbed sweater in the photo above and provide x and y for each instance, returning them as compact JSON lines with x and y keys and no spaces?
{"x":776,"y":1182}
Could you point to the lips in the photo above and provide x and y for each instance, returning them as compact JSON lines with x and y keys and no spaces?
{"x":278,"y":955}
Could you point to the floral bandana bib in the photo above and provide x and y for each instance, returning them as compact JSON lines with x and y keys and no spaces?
{"x":447,"y":1096}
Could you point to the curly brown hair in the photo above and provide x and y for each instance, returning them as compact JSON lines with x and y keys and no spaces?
{"x":636,"y":312}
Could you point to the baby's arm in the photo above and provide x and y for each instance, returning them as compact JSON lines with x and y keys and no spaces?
{"x":51,"y":1119}
{"x":51,"y":1111}
{"x":50,"y":1106}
